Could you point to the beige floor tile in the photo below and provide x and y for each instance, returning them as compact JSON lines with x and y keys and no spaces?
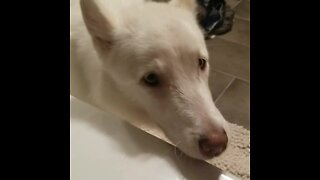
{"x":240,"y":32}
{"x":233,"y":3}
{"x":243,"y":10}
{"x":218,"y":82}
{"x":234,"y":104}
{"x":229,"y":57}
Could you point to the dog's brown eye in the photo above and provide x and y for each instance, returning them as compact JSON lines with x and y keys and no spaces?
{"x":151,"y":79}
{"x":202,"y":63}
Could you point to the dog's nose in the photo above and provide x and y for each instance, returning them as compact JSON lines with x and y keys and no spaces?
{"x":213,"y":144}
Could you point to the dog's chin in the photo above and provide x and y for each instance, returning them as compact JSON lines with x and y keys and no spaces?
{"x":200,"y":156}
{"x":195,"y":154}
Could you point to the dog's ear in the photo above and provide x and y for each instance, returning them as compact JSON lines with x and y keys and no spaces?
{"x":190,"y":5}
{"x":99,"y":22}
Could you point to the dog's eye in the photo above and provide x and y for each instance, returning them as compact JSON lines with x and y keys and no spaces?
{"x":202,"y":63}
{"x":151,"y":79}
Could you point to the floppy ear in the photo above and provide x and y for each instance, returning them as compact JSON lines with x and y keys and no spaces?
{"x":97,"y":20}
{"x":190,"y":5}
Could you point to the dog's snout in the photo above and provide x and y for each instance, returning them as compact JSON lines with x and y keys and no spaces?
{"x":213,"y":144}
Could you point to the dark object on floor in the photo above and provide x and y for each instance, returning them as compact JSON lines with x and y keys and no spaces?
{"x":215,"y":17}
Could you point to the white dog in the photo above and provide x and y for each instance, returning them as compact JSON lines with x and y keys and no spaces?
{"x":147,"y":60}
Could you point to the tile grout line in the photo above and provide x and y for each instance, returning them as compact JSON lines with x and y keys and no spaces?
{"x":242,"y":18}
{"x":233,"y":8}
{"x":231,"y":75}
{"x":224,"y":90}
{"x":236,"y":15}
{"x":241,"y":44}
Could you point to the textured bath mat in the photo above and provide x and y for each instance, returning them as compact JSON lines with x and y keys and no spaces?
{"x":236,"y":158}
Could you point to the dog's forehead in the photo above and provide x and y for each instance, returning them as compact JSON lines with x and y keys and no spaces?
{"x":185,"y":37}
{"x":173,"y":36}
{"x":178,"y":37}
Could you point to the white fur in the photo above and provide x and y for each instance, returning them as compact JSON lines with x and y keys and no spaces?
{"x":127,"y":40}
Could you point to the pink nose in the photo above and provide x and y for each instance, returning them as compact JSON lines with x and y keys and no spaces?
{"x":213,"y":144}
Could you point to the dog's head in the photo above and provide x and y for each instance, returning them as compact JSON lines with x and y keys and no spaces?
{"x":156,"y":55}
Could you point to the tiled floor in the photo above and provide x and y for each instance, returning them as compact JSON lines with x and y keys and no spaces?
{"x":230,"y":67}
